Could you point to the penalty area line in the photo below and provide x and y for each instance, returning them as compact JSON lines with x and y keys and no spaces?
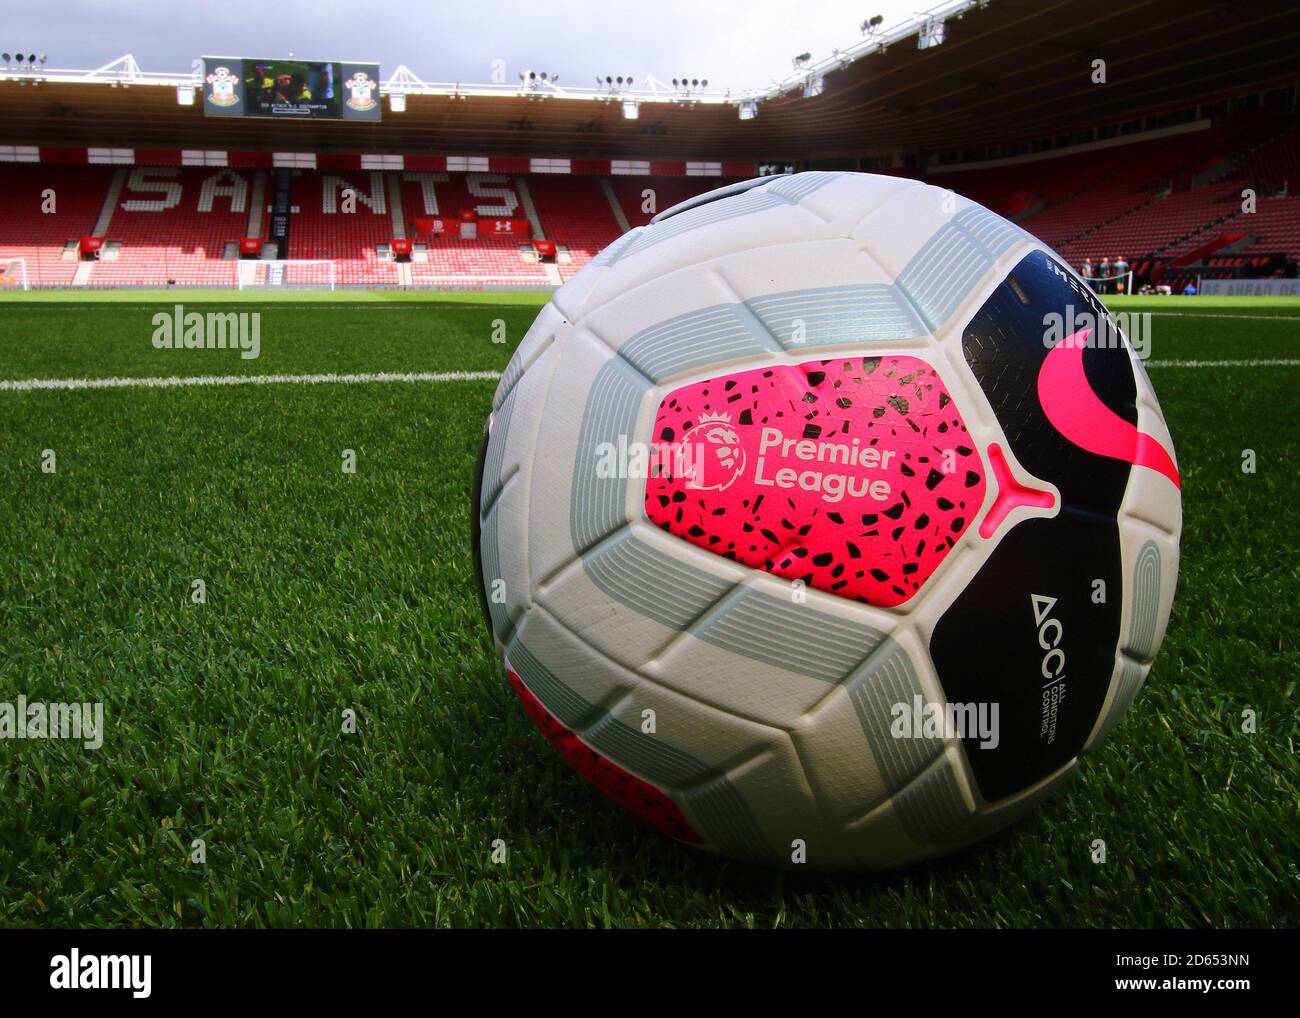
{"x":201,"y":381}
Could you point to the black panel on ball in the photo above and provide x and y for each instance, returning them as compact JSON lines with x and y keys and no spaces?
{"x":1034,"y":596}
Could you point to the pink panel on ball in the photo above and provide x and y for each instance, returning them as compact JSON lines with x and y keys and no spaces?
{"x":640,"y":798}
{"x":855,"y":475}
{"x":1011,"y":494}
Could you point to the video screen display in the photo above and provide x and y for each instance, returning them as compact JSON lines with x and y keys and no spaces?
{"x":290,"y":89}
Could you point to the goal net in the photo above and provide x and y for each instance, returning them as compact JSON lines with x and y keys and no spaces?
{"x":291,"y":274}
{"x":13,"y":273}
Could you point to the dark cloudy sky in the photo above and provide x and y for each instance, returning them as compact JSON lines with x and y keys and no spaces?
{"x":734,"y":43}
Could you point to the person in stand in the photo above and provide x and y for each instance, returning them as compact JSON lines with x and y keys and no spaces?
{"x":1085,"y":270}
{"x":1103,"y":274}
{"x":1120,"y":266}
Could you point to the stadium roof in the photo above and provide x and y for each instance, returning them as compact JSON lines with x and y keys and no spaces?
{"x":1006,"y":71}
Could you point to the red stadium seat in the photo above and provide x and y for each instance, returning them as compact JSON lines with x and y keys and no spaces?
{"x":31,"y":231}
{"x":172,"y":225}
{"x":1165,"y":204}
{"x":321,"y":228}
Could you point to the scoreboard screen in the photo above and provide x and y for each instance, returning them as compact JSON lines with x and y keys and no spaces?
{"x":290,"y":89}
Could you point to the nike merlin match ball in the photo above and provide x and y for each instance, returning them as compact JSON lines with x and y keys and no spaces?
{"x":828,"y":520}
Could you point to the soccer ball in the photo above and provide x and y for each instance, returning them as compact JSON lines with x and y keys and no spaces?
{"x":826,"y":520}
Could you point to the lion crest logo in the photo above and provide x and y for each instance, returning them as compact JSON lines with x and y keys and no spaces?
{"x":716,"y":456}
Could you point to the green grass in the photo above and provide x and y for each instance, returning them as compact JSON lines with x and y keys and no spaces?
{"x":329,"y":592}
{"x":530,"y":298}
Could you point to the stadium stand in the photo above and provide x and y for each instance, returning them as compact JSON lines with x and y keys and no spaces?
{"x":668,"y":191}
{"x":1157,"y":198}
{"x":172,"y":226}
{"x":1199,"y":107}
{"x":42,"y":238}
{"x":494,"y":257}
{"x":487,"y":261}
{"x":321,"y":230}
{"x":575,"y":212}
{"x":1170,"y":200}
{"x":1169,"y":204}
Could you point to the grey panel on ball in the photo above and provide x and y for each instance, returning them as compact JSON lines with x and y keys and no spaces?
{"x":572,"y":710}
{"x":1126,"y":688}
{"x":610,"y":253}
{"x":489,"y":522}
{"x":509,"y":379}
{"x":713,"y":800}
{"x":783,"y":190}
{"x":494,"y":461}
{"x":952,"y":262}
{"x":797,"y":186}
{"x":695,"y":339}
{"x":717,"y":194}
{"x":932,"y":808}
{"x":1146,"y":601}
{"x":720,"y":211}
{"x":885,"y":679}
{"x":1142,"y":633}
{"x":490,"y":556}
{"x":668,"y":590}
{"x":537,"y":340}
{"x":939,"y":276}
{"x":681,"y":343}
{"x":598,"y":504}
{"x":791,"y":636}
{"x":726,"y":818}
{"x":856,"y":313}
{"x":993,"y":233}
{"x":786,"y":190}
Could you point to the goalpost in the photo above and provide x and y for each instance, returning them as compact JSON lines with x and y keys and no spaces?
{"x":285,"y":274}
{"x":13,"y":273}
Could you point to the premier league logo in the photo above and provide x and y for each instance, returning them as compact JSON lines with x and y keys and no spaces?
{"x":361,"y":92}
{"x":222,"y":92}
{"x":718,"y":457}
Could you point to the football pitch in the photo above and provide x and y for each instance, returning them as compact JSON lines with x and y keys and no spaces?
{"x":231,"y":790}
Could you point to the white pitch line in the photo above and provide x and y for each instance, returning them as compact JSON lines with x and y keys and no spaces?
{"x":1213,"y":314}
{"x":1289,"y":362}
{"x":176,"y":381}
{"x":201,"y":381}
